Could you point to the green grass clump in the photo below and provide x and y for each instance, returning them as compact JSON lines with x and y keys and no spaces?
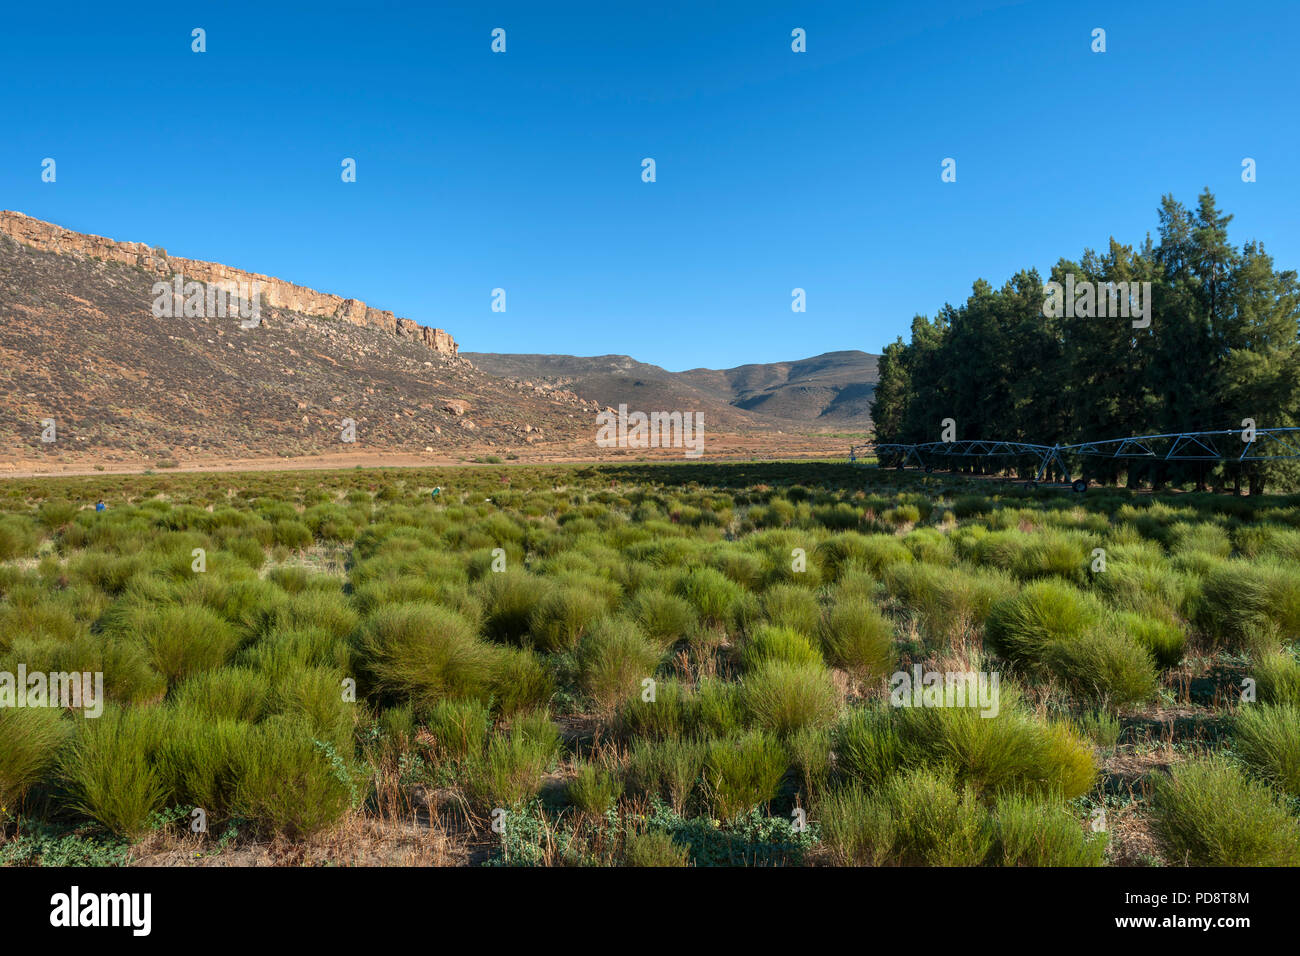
{"x":198,"y":760}
{"x":1103,"y":665}
{"x":1022,"y":626}
{"x":594,"y":789}
{"x":563,"y":616}
{"x":106,"y":768}
{"x":511,"y":769}
{"x":459,"y":727}
{"x":1207,"y":813}
{"x":921,"y":817}
{"x":519,"y":681}
{"x":1267,"y":738}
{"x":510,"y":599}
{"x":858,"y":638}
{"x":664,"y":618}
{"x":1163,"y":640}
{"x":290,"y":783}
{"x":30,"y":739}
{"x":229,"y":693}
{"x":670,"y":769}
{"x":1013,"y":751}
{"x":769,"y":643}
{"x":710,"y":592}
{"x":785,"y":697}
{"x":653,"y":848}
{"x":1277,"y":676}
{"x":743,"y":772}
{"x":424,"y":653}
{"x":788,"y":606}
{"x":613,"y":660}
{"x":1251,"y":606}
{"x":1030,"y":832}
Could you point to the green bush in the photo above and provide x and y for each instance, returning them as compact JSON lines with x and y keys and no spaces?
{"x":1022,"y":626}
{"x":710,"y":592}
{"x":423,"y":652}
{"x":594,"y":789}
{"x":1267,"y":739}
{"x":30,"y":739}
{"x":1164,"y":641}
{"x":670,"y":769}
{"x":563,"y":616}
{"x":664,"y":618}
{"x":1031,"y":832}
{"x":653,"y":848}
{"x":743,"y":772}
{"x":291,"y":783}
{"x":769,"y":643}
{"x":857,"y":637}
{"x":108,"y":773}
{"x":1277,"y":676}
{"x":788,"y":606}
{"x":1103,"y":665}
{"x":510,"y":598}
{"x":459,"y":727}
{"x":1251,"y":606}
{"x":1206,"y":813}
{"x":784,"y":697}
{"x":613,"y":660}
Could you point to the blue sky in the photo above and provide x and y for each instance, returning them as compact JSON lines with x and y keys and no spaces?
{"x":775,"y":170}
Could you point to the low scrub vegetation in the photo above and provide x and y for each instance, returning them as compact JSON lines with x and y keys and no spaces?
{"x":655,"y":666}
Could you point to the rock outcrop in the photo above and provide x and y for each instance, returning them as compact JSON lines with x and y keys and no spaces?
{"x":274,"y":292}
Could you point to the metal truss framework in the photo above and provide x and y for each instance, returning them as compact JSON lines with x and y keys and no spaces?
{"x":1231,"y":444}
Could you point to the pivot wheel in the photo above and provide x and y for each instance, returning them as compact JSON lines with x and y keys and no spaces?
{"x":1079,"y":485}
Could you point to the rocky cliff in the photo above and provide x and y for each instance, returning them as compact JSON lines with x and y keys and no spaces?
{"x":274,"y":292}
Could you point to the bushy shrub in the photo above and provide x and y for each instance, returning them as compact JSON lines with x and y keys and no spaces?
{"x":107,"y":769}
{"x":1032,"y":832}
{"x":787,"y":606}
{"x":563,"y":616}
{"x":1206,"y":813}
{"x":291,"y":783}
{"x":769,"y":643}
{"x":30,"y":739}
{"x":594,"y":789}
{"x":1163,"y":640}
{"x":1022,"y":626}
{"x":653,"y":848}
{"x":425,"y":653}
{"x":1277,"y":677}
{"x":857,"y":637}
{"x":510,"y":771}
{"x":710,"y":592}
{"x":229,"y":693}
{"x":664,"y":618}
{"x":459,"y":727}
{"x":667,"y":715}
{"x":1251,"y":606}
{"x":1267,"y":739}
{"x":509,"y":599}
{"x":613,"y":659}
{"x":1103,"y":665}
{"x":785,"y":697}
{"x":744,"y":772}
{"x":199,"y":757}
{"x":670,"y":769}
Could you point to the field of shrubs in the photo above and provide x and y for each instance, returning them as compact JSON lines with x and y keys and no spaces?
{"x":648,"y":666}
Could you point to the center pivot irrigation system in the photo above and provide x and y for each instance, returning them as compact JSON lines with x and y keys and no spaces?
{"x":1231,"y":444}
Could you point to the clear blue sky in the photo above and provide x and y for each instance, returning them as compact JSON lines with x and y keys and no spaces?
{"x":775,"y":170}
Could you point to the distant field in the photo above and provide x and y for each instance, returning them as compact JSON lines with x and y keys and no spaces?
{"x":684,"y":664}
